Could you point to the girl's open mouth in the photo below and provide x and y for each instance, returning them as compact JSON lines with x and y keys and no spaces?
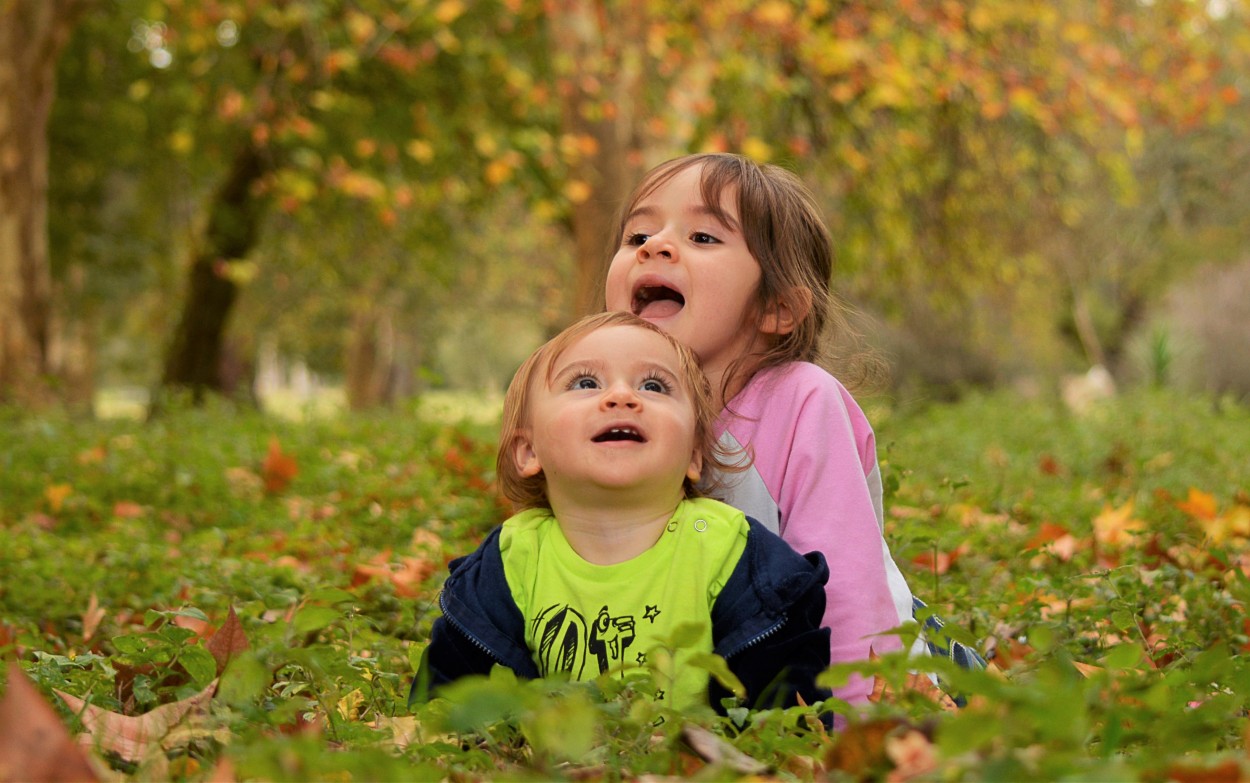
{"x":657,"y":301}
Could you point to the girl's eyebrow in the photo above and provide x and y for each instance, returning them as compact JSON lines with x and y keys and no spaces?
{"x":700,"y":210}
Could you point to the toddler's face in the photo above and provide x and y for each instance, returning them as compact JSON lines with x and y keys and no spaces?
{"x":612,"y":413}
{"x":683,"y":270}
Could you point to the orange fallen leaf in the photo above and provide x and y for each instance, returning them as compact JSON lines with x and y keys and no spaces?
{"x":125,"y":509}
{"x":279,"y":469}
{"x":34,"y":744}
{"x":1115,"y":527}
{"x":56,"y":494}
{"x":132,"y":736}
{"x":1199,"y":505}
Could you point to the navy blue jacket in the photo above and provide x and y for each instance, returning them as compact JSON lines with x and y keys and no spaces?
{"x":765,"y":624}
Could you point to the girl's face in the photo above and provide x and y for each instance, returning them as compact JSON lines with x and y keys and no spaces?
{"x":683,"y":270}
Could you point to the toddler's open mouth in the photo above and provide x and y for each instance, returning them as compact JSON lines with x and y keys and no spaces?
{"x":619,"y":433}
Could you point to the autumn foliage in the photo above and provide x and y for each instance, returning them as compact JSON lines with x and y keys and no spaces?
{"x":213,"y":598}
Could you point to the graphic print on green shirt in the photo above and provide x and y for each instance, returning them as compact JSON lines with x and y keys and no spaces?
{"x":587,"y":620}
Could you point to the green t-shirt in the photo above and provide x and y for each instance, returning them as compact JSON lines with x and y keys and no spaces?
{"x":588,"y":620}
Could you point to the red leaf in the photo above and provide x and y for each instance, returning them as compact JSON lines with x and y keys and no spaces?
{"x":278,"y":469}
{"x":228,"y":641}
{"x":34,"y":744}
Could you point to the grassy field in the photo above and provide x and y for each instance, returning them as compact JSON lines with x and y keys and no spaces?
{"x":246,"y":597}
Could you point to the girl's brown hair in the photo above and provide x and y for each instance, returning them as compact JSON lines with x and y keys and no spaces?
{"x":786,"y":234}
{"x":531,"y":492}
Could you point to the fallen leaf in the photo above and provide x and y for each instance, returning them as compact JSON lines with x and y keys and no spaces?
{"x":1115,"y":527}
{"x":91,"y":618}
{"x":279,"y":469}
{"x":56,"y":494}
{"x":1049,"y":466}
{"x":1199,"y":505}
{"x":227,"y":641}
{"x":860,"y":748}
{"x":717,"y":751}
{"x":131,"y":737}
{"x":1228,"y":772}
{"x":912,"y":755}
{"x":34,"y":744}
{"x":125,"y":509}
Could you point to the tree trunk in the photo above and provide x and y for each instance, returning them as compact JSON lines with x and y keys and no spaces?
{"x":32,"y":35}
{"x":599,"y":108}
{"x":194,"y":357}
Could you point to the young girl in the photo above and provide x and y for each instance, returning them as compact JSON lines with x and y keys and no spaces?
{"x":733,"y":259}
{"x":607,"y":428}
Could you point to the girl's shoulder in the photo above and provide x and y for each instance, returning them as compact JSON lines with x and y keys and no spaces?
{"x":793,"y":381}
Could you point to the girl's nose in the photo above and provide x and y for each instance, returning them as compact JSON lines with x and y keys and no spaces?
{"x":657,"y":245}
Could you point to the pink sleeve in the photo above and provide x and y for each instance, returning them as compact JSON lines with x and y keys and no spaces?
{"x":815,"y":462}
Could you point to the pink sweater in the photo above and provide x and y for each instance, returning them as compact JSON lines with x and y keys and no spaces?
{"x":815,"y":481}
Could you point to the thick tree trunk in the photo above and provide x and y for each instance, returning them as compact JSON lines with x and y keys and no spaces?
{"x":194,"y":357}
{"x":599,"y":108}
{"x":32,"y":35}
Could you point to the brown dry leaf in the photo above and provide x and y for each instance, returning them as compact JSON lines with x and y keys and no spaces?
{"x":860,"y":748}
{"x":1228,"y":772}
{"x":130,"y":737}
{"x":91,"y":618}
{"x":34,"y":744}
{"x":717,"y":751}
{"x":278,"y":469}
{"x":228,"y":641}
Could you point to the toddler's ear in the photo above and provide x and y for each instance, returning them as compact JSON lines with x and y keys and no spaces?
{"x":523,"y":455}
{"x":695,"y":471}
{"x":787,"y":312}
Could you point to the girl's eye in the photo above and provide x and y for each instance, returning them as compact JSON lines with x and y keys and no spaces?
{"x":584,"y":382}
{"x":655,"y":385}
{"x":701,"y":238}
{"x":636,"y":239}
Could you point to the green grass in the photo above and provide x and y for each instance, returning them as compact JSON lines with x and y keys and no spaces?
{"x":1122,"y":650}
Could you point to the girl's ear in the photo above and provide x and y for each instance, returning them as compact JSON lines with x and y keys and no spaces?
{"x":524,"y":456}
{"x":786,"y":313}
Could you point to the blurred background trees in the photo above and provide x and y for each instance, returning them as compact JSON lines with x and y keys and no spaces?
{"x":395,"y":195}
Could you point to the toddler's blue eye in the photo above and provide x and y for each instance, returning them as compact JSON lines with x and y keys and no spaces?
{"x":655,"y":385}
{"x":584,"y":382}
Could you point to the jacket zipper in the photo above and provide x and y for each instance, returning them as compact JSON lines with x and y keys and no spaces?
{"x":759,"y":637}
{"x":442,"y":605}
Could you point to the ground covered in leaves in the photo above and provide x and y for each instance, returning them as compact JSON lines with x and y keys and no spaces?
{"x":219,"y":596}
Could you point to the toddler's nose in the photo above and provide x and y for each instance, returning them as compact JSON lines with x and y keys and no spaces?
{"x":619,"y":395}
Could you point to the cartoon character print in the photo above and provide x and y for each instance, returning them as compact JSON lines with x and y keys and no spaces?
{"x":564,"y":639}
{"x":560,"y":630}
{"x":609,"y":638}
